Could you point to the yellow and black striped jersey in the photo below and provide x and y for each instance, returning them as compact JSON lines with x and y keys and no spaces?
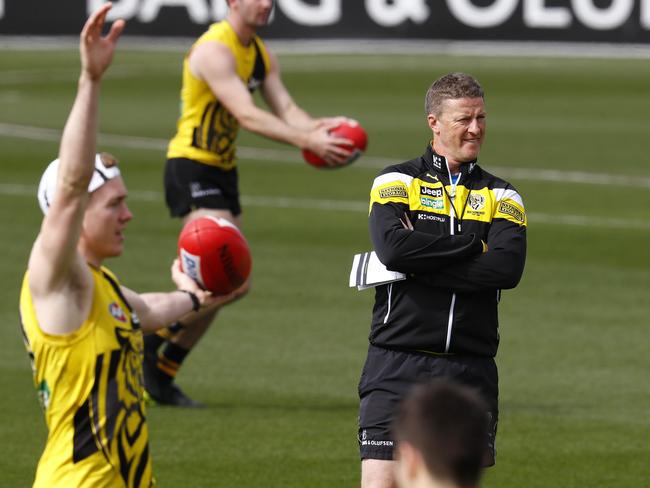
{"x":206,"y":131}
{"x":91,"y":389}
{"x":468,"y":242}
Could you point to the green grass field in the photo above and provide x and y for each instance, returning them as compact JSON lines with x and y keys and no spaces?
{"x":279,"y":370}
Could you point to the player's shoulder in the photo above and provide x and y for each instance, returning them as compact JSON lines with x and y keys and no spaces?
{"x":219,"y":33}
{"x":217,"y":29}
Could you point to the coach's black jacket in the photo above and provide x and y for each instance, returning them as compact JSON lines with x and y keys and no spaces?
{"x":448,"y":303}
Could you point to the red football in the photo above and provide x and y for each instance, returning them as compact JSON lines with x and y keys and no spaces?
{"x":215,"y":254}
{"x":353,"y":132}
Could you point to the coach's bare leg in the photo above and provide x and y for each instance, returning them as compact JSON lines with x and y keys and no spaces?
{"x":377,"y":473}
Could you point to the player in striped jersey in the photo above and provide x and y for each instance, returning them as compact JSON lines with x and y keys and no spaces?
{"x":82,"y":330}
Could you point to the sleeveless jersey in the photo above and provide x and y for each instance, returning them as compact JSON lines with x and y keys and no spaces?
{"x":91,"y":390}
{"x":206,"y":131}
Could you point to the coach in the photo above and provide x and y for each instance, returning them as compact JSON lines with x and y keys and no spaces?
{"x":459,"y":234}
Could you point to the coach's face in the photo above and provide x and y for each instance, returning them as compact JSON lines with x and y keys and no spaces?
{"x":459,"y":129}
{"x":102,"y":234}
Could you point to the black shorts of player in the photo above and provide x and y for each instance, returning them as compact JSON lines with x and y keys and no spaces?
{"x":190,"y":185}
{"x":387,"y":377}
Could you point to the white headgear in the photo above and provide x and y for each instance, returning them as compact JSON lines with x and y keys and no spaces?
{"x":105,"y":169}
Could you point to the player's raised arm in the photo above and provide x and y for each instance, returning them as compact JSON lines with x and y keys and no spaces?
{"x":55,"y":263}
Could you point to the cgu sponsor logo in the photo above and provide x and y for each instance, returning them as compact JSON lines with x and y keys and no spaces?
{"x":536,"y":14}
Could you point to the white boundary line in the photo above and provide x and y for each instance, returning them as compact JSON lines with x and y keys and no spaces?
{"x":292,"y":156}
{"x":20,"y":190}
{"x":522,"y":48}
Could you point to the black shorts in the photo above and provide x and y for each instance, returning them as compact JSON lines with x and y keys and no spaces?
{"x":387,"y":377}
{"x":190,"y":185}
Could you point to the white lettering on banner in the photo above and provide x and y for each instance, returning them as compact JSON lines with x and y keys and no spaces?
{"x":197,"y":9}
{"x":538,"y":15}
{"x":482,"y":17}
{"x":327,"y":12}
{"x":122,"y":9}
{"x":388,"y":13}
{"x":603,"y":18}
{"x":219,"y":9}
{"x":147,"y":10}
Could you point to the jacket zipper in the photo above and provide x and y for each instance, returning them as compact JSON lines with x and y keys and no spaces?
{"x":452,"y":214}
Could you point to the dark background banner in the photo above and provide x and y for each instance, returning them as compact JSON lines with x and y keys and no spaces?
{"x":615,"y":21}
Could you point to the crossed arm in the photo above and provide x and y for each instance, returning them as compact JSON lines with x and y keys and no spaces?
{"x":444,"y":261}
{"x":400,"y":248}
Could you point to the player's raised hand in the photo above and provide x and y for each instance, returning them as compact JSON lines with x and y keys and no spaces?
{"x":97,"y":51}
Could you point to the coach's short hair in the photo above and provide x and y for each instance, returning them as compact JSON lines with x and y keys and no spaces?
{"x":448,"y":424}
{"x":450,"y":87}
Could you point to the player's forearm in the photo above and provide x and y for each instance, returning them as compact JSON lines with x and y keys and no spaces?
{"x":159,"y":310}
{"x":78,"y":142}
{"x":268,"y":125}
{"x":298,"y":118}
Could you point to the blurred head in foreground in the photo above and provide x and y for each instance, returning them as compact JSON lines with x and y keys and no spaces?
{"x":440,"y":429}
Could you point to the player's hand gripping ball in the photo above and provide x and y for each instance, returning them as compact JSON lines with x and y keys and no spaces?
{"x":355,"y":133}
{"x":215,"y":254}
